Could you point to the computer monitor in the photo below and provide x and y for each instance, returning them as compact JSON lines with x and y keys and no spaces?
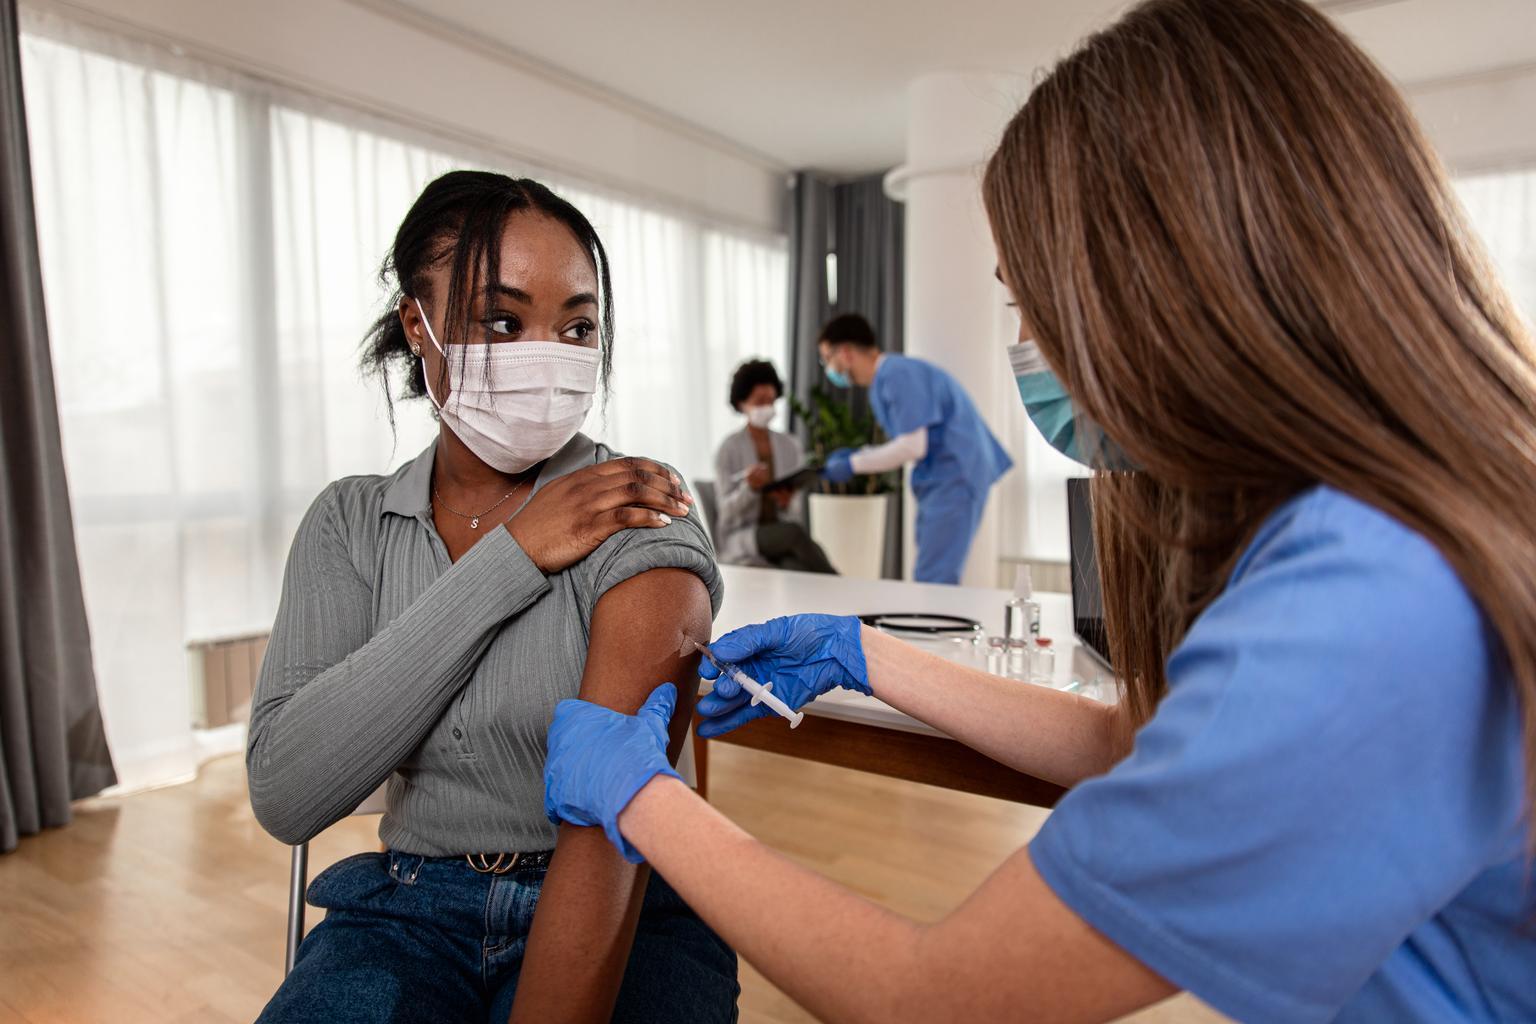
{"x":1087,"y":597}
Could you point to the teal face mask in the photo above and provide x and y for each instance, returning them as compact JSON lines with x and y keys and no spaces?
{"x":837,"y":377}
{"x":1051,"y":411}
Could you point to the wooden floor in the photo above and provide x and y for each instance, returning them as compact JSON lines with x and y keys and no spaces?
{"x":168,"y":906}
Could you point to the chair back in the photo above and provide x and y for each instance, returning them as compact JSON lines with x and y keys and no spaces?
{"x":704,"y":493}
{"x":298,"y":880}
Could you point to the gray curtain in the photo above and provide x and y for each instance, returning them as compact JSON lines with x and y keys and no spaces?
{"x":869,"y":241}
{"x":856,"y":221}
{"x":810,"y":239}
{"x":52,"y":747}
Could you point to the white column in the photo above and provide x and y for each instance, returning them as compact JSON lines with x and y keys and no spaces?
{"x":954,"y":307}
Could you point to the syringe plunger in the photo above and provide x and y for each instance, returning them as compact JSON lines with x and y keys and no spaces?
{"x":761,"y":692}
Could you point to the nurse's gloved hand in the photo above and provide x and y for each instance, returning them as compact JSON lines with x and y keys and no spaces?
{"x":599,"y":759}
{"x":803,"y":656}
{"x":839,"y":467}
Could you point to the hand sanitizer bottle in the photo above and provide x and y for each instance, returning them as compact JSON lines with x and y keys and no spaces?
{"x":1021,"y":615}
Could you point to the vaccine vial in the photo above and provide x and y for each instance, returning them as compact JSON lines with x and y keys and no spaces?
{"x":1018,"y":659}
{"x":1042,"y":661}
{"x":997,"y":655}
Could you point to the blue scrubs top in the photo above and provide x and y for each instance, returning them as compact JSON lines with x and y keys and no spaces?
{"x":909,"y":394}
{"x":1323,"y":819}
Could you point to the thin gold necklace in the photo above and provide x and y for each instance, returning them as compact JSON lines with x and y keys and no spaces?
{"x":474,"y":520}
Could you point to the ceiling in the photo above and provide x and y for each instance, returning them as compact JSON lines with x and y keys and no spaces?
{"x":822,"y":83}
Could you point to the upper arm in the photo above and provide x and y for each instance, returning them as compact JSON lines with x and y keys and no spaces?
{"x":910,"y":399}
{"x":322,"y":614}
{"x":641,"y":636}
{"x":653,"y":591}
{"x":656,"y":592}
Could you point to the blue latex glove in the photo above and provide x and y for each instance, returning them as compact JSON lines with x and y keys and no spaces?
{"x":839,"y":467}
{"x":599,"y":759}
{"x":804,"y":656}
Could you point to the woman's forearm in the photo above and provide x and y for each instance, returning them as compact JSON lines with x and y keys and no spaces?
{"x":1061,"y":737}
{"x":839,"y":955}
{"x":893,"y":454}
{"x":1013,"y":950}
{"x":736,"y":498}
{"x":336,"y":710}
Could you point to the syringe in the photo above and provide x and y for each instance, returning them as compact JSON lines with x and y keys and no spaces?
{"x":761,"y":692}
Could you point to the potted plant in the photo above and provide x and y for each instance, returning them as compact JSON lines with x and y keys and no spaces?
{"x":848,"y":520}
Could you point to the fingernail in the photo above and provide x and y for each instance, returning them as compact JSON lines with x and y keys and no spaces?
{"x":688,"y":499}
{"x":666,"y":520}
{"x":677,"y":479}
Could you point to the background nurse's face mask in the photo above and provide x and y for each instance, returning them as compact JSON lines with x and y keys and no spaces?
{"x":516,"y":403}
{"x":760,"y":415}
{"x":1050,"y":409}
{"x":837,"y":378}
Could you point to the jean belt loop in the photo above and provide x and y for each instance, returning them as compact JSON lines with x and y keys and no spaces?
{"x":404,"y":867}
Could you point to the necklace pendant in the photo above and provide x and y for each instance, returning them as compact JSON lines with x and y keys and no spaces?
{"x":474,"y":524}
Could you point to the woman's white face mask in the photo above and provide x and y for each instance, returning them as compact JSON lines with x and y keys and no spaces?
{"x":760,"y":415}
{"x":516,"y":403}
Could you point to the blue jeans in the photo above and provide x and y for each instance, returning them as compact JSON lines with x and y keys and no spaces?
{"x":408,"y":938}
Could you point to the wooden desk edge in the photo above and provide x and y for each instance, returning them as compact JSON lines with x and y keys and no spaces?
{"x":915,"y":757}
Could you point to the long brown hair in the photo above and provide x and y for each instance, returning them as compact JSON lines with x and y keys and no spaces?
{"x":1245,"y":262}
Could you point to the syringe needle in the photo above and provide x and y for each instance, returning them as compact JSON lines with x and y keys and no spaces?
{"x":761,"y":692}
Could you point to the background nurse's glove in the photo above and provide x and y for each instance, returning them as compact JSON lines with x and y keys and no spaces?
{"x":803,"y":656}
{"x":599,"y":759}
{"x":839,"y":467}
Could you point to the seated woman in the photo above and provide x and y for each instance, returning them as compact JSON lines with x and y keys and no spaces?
{"x":758,"y":526}
{"x":432,"y":618}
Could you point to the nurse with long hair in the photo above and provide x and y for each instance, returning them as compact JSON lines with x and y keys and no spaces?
{"x":1248,"y":297}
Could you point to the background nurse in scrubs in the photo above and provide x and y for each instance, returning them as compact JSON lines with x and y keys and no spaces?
{"x":933,"y":426}
{"x":1231,"y":244}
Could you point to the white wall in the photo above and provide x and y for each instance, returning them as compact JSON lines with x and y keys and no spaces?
{"x":385,"y":59}
{"x":1480,"y":122}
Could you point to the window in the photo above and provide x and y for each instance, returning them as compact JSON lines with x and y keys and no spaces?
{"x":1502,"y":207}
{"x":211,"y":248}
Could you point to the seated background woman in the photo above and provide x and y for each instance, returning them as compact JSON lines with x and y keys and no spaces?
{"x":759,"y":527}
{"x":430,"y":621}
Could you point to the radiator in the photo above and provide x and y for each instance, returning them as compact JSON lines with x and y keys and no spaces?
{"x":223,"y":675}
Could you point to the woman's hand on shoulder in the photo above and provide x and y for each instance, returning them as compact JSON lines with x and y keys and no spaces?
{"x":569,"y":517}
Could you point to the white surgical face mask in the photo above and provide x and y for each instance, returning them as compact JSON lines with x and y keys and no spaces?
{"x":760,"y":415}
{"x":516,"y":403}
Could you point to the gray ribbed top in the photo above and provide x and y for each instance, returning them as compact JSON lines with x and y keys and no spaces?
{"x":389,"y":662}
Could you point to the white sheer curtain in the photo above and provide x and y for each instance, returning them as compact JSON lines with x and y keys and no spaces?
{"x":211,"y":248}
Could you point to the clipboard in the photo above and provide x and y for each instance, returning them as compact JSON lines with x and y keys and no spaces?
{"x":806,"y":476}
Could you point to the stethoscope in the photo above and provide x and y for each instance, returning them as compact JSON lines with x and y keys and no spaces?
{"x":922,"y":624}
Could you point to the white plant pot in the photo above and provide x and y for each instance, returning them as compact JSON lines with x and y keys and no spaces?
{"x":851,"y":529}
